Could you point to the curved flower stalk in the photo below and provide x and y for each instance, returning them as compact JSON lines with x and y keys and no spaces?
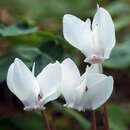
{"x":34,"y":92}
{"x":90,"y":90}
{"x":96,"y":43}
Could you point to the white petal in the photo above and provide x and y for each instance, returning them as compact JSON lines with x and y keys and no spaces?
{"x":82,"y":87}
{"x":106,"y":31}
{"x":72,"y":29}
{"x":79,"y":94}
{"x":22,"y":83}
{"x":94,"y":78}
{"x":70,"y":80}
{"x":10,"y":81}
{"x":33,"y":69}
{"x":49,"y":81}
{"x":78,"y":33}
{"x":94,"y":68}
{"x":52,"y":96}
{"x":98,"y":92}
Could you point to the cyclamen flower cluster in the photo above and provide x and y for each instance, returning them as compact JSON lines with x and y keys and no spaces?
{"x":90,"y":90}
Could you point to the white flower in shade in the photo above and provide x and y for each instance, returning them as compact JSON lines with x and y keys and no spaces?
{"x":96,"y":43}
{"x":88,"y":91}
{"x":34,"y":92}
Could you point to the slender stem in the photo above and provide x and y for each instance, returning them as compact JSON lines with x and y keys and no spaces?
{"x":93,"y":120}
{"x":45,"y":120}
{"x":52,"y":121}
{"x":106,"y":116}
{"x":105,"y":105}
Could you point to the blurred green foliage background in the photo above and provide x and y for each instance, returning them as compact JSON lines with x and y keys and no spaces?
{"x":32,"y":31}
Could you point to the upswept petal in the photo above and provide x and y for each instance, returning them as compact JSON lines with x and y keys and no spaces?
{"x":49,"y":81}
{"x":94,"y":68}
{"x":33,"y":69}
{"x":70,"y":80}
{"x":10,"y":75}
{"x":72,"y":30}
{"x":79,"y":94}
{"x":77,"y":97}
{"x":70,"y":73}
{"x":105,"y":30}
{"x":52,"y":96}
{"x":78,"y":33}
{"x":22,"y":83}
{"x":94,"y":78}
{"x":97,"y":93}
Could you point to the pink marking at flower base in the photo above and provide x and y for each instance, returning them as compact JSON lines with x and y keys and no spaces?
{"x":95,"y":60}
{"x":86,"y":89}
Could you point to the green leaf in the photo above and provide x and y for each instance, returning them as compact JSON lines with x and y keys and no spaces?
{"x":122,"y":22}
{"x":31,"y":122}
{"x":118,"y":7}
{"x":5,"y":61}
{"x":15,"y":30}
{"x":52,"y":49}
{"x":28,"y":55}
{"x":84,"y":124}
{"x":41,"y":61}
{"x":120,"y":57}
{"x":6,"y":124}
{"x":119,"y":117}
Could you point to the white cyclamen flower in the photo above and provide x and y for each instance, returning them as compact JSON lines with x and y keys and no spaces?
{"x":96,"y":43}
{"x":34,"y":92}
{"x":88,"y":91}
